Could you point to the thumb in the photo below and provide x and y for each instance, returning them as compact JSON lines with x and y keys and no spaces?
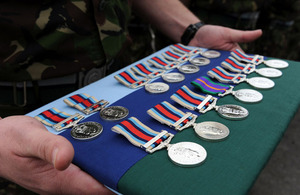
{"x":244,"y":36}
{"x":51,"y":148}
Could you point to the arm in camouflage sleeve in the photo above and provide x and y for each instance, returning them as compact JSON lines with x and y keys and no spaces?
{"x":172,"y":18}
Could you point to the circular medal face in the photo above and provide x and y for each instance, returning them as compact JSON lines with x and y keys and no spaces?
{"x":187,"y":154}
{"x":269,"y":72}
{"x":86,"y":130}
{"x":233,"y":112}
{"x":276,"y":63}
{"x":210,"y":130}
{"x":114,"y":113}
{"x":157,"y":87}
{"x":248,"y":95}
{"x":173,"y":77}
{"x":199,"y":61}
{"x":188,"y":69}
{"x":261,"y":82}
{"x":211,"y":54}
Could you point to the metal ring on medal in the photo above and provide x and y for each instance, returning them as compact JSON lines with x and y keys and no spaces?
{"x":211,"y":130}
{"x":248,"y":95}
{"x":113,"y":113}
{"x":232,"y":112}
{"x":86,"y":130}
{"x":276,"y":63}
{"x":188,"y":68}
{"x":187,"y":154}
{"x":269,"y":72}
{"x":157,"y":87}
{"x":199,"y":61}
{"x":261,"y":82}
{"x":211,"y":54}
{"x":173,"y":77}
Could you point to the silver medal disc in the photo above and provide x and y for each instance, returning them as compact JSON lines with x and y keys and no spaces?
{"x":276,"y":63}
{"x":86,"y":130}
{"x":173,"y":77}
{"x":188,"y":68}
{"x":248,"y":95}
{"x":232,"y":112}
{"x":211,"y":54}
{"x":157,"y":87}
{"x":261,"y":82}
{"x":269,"y":72}
{"x":211,"y":130}
{"x":187,"y":154}
{"x":199,"y":61}
{"x":113,"y":113}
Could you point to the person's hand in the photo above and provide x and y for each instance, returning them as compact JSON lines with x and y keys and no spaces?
{"x":41,"y":161}
{"x":223,"y":38}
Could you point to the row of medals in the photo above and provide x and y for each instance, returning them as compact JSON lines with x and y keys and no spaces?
{"x":189,"y":154}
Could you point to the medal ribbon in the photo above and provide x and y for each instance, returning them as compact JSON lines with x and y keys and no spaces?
{"x":210,"y":87}
{"x":171,"y":116}
{"x":192,"y":101}
{"x":57,"y":119}
{"x":235,"y":66}
{"x":129,"y":79}
{"x":253,"y":59}
{"x":139,"y":134}
{"x":85,"y":103}
{"x":225,"y":77}
{"x":173,"y":56}
{"x":162,"y":63}
{"x":145,"y":71}
{"x":179,"y":48}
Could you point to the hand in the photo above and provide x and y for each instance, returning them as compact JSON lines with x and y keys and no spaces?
{"x":223,"y":38}
{"x":41,"y":161}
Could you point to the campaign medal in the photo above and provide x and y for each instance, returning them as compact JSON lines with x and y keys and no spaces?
{"x":193,"y":101}
{"x":212,"y":131}
{"x":183,"y":49}
{"x":173,"y":77}
{"x":276,"y":63}
{"x":114,"y":113}
{"x":57,"y":119}
{"x":211,"y":54}
{"x":269,"y":72}
{"x":85,"y":103}
{"x":157,"y":87}
{"x":162,"y":63}
{"x":208,"y":86}
{"x":246,"y":58}
{"x":199,"y":61}
{"x":184,"y":154}
{"x":86,"y":130}
{"x":261,"y":82}
{"x":188,"y":68}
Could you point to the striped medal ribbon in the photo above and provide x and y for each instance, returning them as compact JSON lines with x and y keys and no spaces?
{"x":182,"y":49}
{"x":253,"y":59}
{"x":57,"y":119}
{"x":235,"y":66}
{"x":167,"y":114}
{"x":210,"y":87}
{"x":193,"y":101}
{"x":129,"y":79}
{"x":85,"y":103}
{"x":143,"y":136}
{"x":162,"y":63}
{"x":173,"y":56}
{"x":145,"y":71}
{"x":225,"y":77}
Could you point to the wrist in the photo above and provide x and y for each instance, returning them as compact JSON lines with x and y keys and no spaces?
{"x":190,"y":32}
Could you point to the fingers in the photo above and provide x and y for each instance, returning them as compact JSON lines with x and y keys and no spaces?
{"x":42,"y":144}
{"x":239,"y":36}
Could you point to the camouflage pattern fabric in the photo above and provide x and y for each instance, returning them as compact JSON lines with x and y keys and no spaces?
{"x":279,"y":20}
{"x":46,"y":39}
